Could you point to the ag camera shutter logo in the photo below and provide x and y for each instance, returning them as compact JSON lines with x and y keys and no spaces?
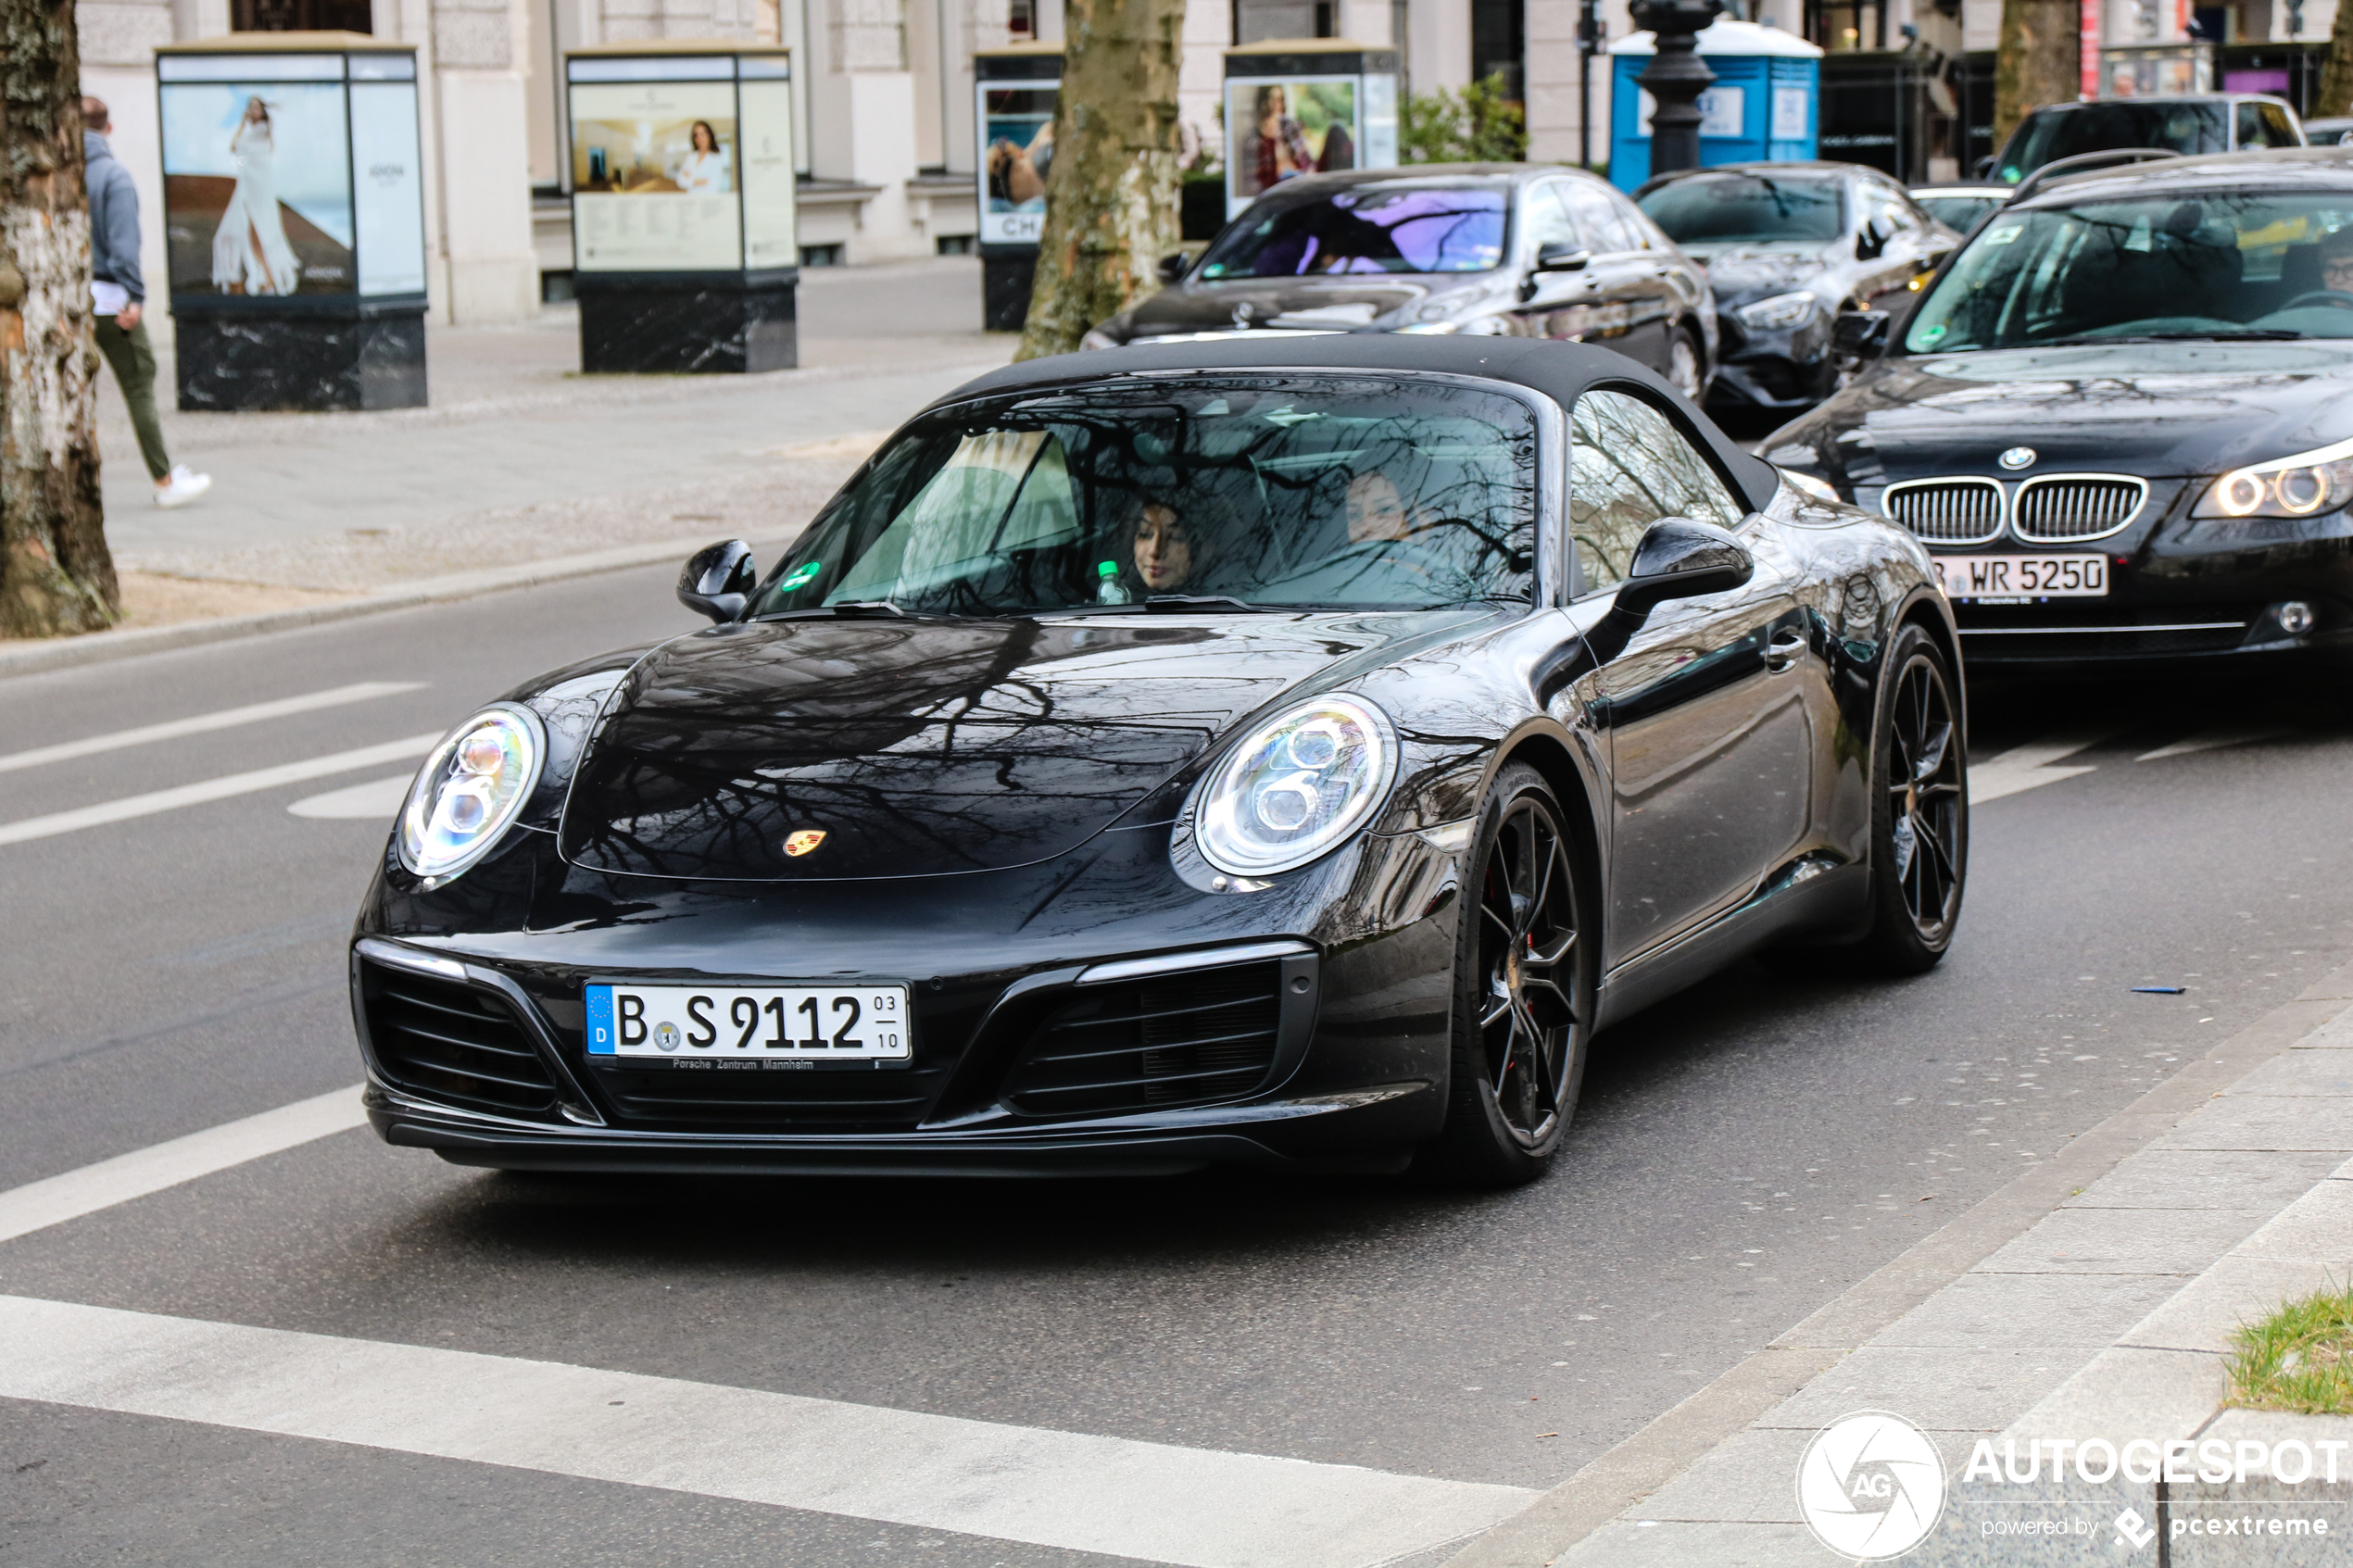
{"x":1871,"y":1485}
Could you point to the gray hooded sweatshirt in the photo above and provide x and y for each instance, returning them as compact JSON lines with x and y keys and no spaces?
{"x":114,"y":218}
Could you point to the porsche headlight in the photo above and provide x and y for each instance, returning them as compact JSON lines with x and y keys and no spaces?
{"x":470,"y":789}
{"x":1782,"y":310}
{"x":2317,"y":481}
{"x":1296,"y":787}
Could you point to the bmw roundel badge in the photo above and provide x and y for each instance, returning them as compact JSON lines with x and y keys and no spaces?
{"x":801,"y":843}
{"x":2018,"y":458}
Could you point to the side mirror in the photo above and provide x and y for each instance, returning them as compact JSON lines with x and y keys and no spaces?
{"x":1561,"y":255}
{"x":1861,"y":333}
{"x":1678,"y":557}
{"x":1984,"y":169}
{"x":1172,"y":268}
{"x":718,"y":581}
{"x":1871,"y":241}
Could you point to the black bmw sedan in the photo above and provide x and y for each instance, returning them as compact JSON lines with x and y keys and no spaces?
{"x":2118,"y":418}
{"x":1228,"y":752}
{"x":1492,"y":250}
{"x":1787,"y":247}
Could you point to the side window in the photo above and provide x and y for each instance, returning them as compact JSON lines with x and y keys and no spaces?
{"x":1637,"y":228}
{"x":1597,"y":225}
{"x":2253,"y":132}
{"x":1548,"y":221}
{"x":1629,"y":467}
{"x":2275,"y":121}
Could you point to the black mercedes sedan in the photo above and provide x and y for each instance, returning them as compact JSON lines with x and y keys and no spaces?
{"x":2119,"y":417}
{"x":1250,"y":752}
{"x":1787,"y":247}
{"x":1480,"y":250}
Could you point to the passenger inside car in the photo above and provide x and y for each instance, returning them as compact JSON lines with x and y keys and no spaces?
{"x":1167,"y":556}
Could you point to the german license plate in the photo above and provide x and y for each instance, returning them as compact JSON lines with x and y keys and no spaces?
{"x":788,"y":1026}
{"x":2023,"y":577}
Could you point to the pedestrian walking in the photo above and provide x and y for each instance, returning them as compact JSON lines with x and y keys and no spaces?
{"x":118,"y":297}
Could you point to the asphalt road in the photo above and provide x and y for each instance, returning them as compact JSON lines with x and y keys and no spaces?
{"x":1743,"y":1154}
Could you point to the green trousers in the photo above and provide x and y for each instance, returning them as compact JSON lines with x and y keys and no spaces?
{"x":134,"y":359}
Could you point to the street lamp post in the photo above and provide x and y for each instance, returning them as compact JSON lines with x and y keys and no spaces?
{"x":1675,"y":77}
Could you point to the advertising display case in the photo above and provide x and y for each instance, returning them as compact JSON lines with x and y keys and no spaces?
{"x":1306,"y":105}
{"x":1015,"y":90}
{"x":685,"y":248}
{"x":294,"y":221}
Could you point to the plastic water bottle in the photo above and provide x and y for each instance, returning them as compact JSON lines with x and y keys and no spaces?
{"x":1107,"y":588}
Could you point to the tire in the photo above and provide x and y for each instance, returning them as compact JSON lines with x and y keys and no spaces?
{"x":1920,"y":811}
{"x":1525,"y":978}
{"x":1686,"y":372}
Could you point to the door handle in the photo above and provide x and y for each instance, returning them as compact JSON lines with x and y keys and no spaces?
{"x":1786,"y":647}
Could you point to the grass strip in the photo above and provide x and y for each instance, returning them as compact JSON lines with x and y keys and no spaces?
{"x":2299,"y":1359}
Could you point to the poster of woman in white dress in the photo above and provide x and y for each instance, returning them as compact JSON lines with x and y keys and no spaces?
{"x":256,"y":189}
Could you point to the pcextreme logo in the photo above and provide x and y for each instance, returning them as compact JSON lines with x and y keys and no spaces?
{"x":1871,"y":1485}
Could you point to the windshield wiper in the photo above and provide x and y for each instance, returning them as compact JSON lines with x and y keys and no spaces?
{"x":1178,"y":602}
{"x":2228,"y":334}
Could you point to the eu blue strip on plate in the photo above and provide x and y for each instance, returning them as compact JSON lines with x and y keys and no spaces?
{"x":600,"y":1019}
{"x":2153,"y":990}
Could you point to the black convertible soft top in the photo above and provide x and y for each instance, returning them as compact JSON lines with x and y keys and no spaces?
{"x":1562,"y":371}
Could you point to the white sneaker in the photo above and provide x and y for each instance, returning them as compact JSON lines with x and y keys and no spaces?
{"x":183,"y":487}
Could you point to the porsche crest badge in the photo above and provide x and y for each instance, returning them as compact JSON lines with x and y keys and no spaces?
{"x":803,"y":842}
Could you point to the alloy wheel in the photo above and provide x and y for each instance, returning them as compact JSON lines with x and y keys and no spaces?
{"x":1683,"y":368}
{"x":1925,"y":804}
{"x":1527,"y":965}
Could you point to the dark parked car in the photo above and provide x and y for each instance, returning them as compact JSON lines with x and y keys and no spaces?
{"x":2180,"y":123}
{"x":2329,"y":132}
{"x":1259,"y":752}
{"x":1787,"y":247}
{"x":1500,"y":250}
{"x":2120,"y":416}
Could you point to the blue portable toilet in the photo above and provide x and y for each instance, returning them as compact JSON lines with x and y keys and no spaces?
{"x":1766,"y":104}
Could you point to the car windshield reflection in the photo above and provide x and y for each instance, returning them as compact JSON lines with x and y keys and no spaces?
{"x":1715,"y":209}
{"x":2224,"y":266}
{"x":1220,"y":494}
{"x":1416,"y":228}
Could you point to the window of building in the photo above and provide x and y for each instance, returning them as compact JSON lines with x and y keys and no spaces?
{"x":302,"y":15}
{"x":1499,"y":44}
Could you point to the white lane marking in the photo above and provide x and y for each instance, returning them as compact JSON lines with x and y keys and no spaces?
{"x":198,"y":723}
{"x":216,"y":789}
{"x":1203,"y":1508}
{"x":377,"y":800}
{"x":2029,"y":766}
{"x":2214,"y":740}
{"x":56,"y":1199}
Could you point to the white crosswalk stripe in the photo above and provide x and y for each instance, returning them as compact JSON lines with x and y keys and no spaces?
{"x":2029,"y":766}
{"x":1153,"y":1501}
{"x":202,"y":723}
{"x":2215,"y":740}
{"x":216,"y":789}
{"x":378,"y":800}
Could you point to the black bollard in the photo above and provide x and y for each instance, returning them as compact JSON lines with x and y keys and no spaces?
{"x":1675,"y":77}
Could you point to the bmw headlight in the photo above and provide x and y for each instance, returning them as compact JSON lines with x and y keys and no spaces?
{"x":1296,"y":787}
{"x":2317,"y":481}
{"x":470,"y":789}
{"x":1781,"y":310}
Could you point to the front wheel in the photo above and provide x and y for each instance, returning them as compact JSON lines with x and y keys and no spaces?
{"x":1919,"y":810}
{"x":1524,"y":983}
{"x":1683,"y":370}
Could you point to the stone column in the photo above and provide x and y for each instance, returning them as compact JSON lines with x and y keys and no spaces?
{"x":862,"y":99}
{"x":484,"y":159}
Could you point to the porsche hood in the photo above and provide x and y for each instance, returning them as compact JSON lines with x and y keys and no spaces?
{"x":827,"y":750}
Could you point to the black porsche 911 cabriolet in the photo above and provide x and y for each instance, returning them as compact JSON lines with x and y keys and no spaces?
{"x":1275,"y":752}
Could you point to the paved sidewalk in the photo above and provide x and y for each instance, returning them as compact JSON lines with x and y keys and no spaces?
{"x":2107,"y":1318}
{"x":521,"y":459}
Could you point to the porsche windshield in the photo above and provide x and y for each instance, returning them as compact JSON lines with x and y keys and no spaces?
{"x":1215,"y":492}
{"x":1715,"y":209}
{"x":1414,"y":228}
{"x":2219,"y":266}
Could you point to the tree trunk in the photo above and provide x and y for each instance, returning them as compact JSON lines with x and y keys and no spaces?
{"x":1110,"y":198}
{"x":54,"y":572}
{"x":2336,"y":75}
{"x":2040,"y":61}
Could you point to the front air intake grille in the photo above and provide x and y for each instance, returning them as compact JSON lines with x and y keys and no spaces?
{"x":1946,"y":511}
{"x":2064,"y":507}
{"x":1152,"y":1045}
{"x":446,"y":1042}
